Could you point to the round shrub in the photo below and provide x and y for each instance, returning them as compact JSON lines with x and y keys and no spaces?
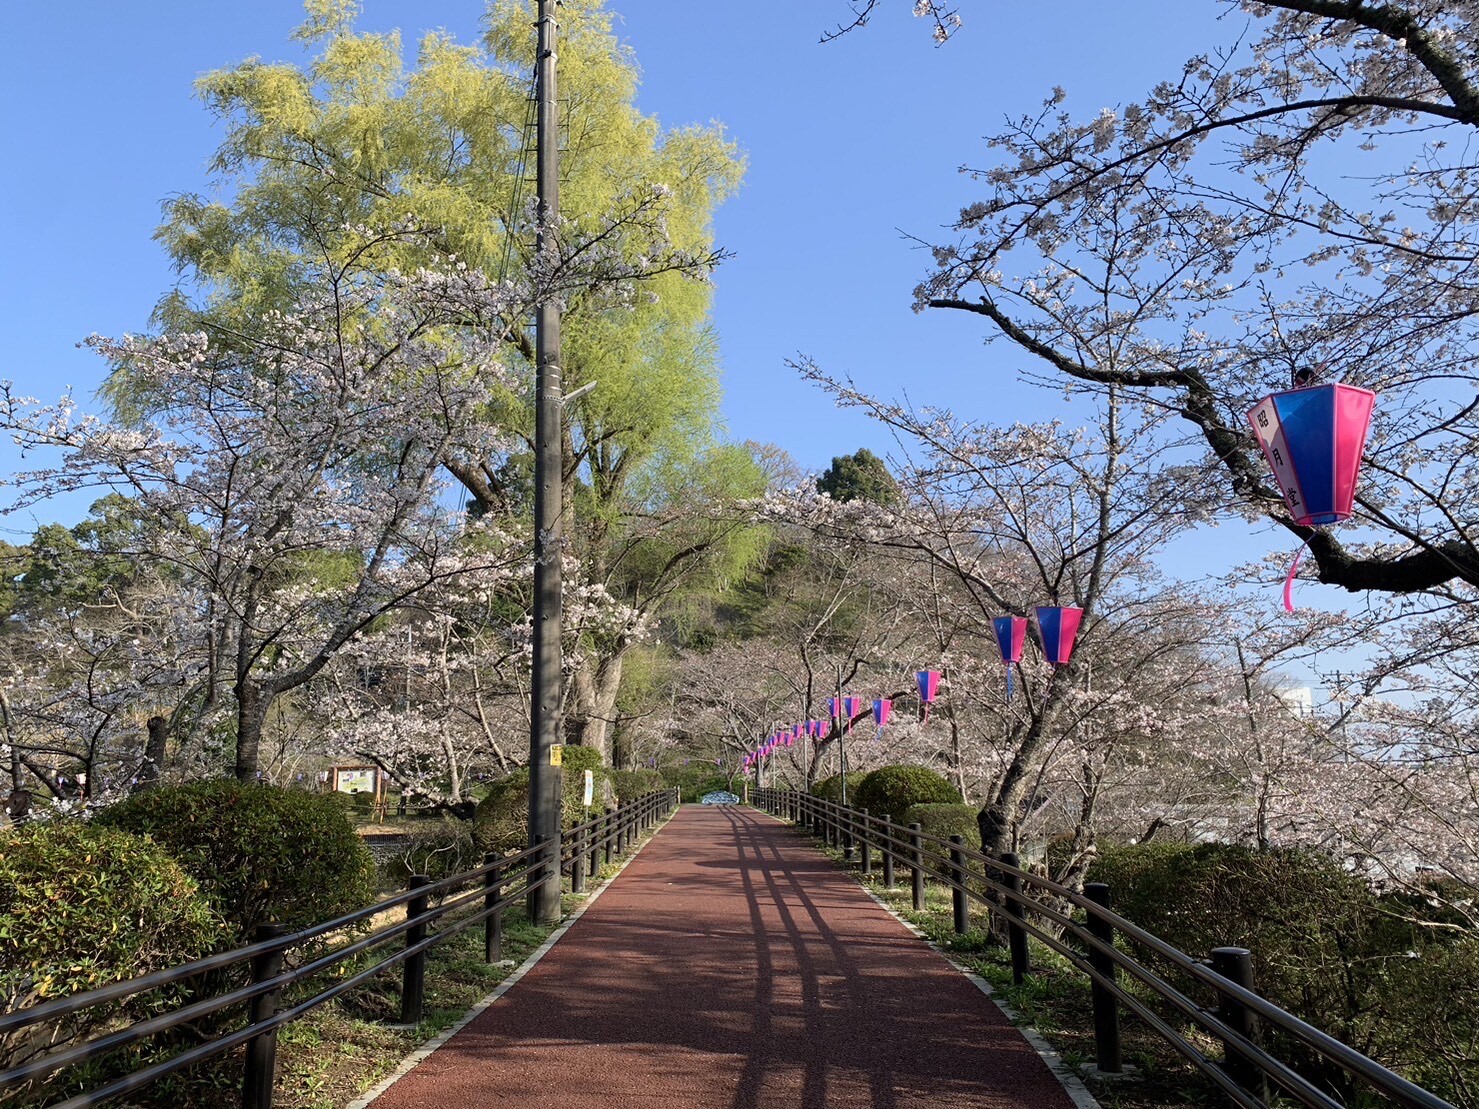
{"x":259,"y":853}
{"x":501,"y":822}
{"x":830,"y":789}
{"x":82,"y":906}
{"x":892,"y":789}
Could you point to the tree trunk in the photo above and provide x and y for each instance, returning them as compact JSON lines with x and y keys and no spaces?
{"x":998,"y":819}
{"x":604,"y":685}
{"x":154,"y":751}
{"x":252,"y":703}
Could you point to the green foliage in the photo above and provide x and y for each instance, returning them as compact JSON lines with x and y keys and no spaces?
{"x":699,"y":777}
{"x":944,"y":820}
{"x":77,"y":565}
{"x":501,"y":822}
{"x":502,"y":817}
{"x":577,"y":760}
{"x":861,"y":476}
{"x":437,"y":848}
{"x":259,"y":853}
{"x":1325,"y":946}
{"x":82,"y":906}
{"x":632,"y":784}
{"x":892,"y":789}
{"x":830,"y":789}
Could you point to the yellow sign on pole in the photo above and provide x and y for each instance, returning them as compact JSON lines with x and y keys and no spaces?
{"x":557,"y":754}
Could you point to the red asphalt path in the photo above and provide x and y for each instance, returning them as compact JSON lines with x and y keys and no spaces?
{"x":732,"y":965}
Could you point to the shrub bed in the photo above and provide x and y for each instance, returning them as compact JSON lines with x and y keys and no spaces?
{"x":502,"y":818}
{"x":258,"y":852}
{"x":1325,"y":946}
{"x":892,"y":789}
{"x":83,"y":906}
{"x":630,"y":785}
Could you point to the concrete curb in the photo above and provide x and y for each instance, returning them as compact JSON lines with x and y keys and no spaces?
{"x":415,"y":1058}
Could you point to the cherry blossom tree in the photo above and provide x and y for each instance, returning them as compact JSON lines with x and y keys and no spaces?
{"x":1017,"y":517}
{"x":292,"y":474}
{"x":1295,"y":200}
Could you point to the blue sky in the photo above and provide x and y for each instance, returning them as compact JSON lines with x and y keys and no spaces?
{"x":850,"y":145}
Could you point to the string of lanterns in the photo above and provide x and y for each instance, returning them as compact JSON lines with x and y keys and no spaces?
{"x":1058,"y":628}
{"x":1313,"y":437}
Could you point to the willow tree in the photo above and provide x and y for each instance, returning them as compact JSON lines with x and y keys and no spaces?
{"x":358,"y":139}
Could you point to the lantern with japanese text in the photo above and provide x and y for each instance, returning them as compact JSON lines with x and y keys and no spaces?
{"x":1313,"y":439}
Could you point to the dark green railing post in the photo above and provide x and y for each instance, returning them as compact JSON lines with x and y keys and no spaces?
{"x":413,"y":970}
{"x":608,"y":834}
{"x":1236,"y":965}
{"x":1016,"y":934}
{"x":887,"y":847}
{"x":865,"y":845}
{"x":916,"y":865}
{"x":493,"y":922}
{"x":577,"y":862}
{"x":960,"y":911}
{"x":1106,"y":1005}
{"x":260,"y":1069}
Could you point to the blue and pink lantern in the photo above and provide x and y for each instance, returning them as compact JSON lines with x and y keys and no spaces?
{"x":1059,"y":629}
{"x":929,"y":687}
{"x":882,"y":709}
{"x":1011,"y":636}
{"x":1313,"y":439}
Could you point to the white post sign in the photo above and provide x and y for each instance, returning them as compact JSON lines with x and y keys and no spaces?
{"x":588,"y":794}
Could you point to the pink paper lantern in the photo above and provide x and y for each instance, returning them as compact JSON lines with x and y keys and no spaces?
{"x":1059,"y":629}
{"x":1313,"y":439}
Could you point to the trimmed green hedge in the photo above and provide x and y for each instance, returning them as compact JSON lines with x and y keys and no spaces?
{"x":944,"y":821}
{"x":830,"y":789}
{"x":630,"y":785}
{"x":502,"y":819}
{"x":1325,"y":946}
{"x":892,"y":789}
{"x":83,"y":906}
{"x":259,"y":853}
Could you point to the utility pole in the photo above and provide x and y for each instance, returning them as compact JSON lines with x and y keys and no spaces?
{"x":546,"y":725}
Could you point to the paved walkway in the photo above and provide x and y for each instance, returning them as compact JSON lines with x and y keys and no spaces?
{"x":731,"y":965}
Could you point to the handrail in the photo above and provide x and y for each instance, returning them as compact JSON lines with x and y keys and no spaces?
{"x":526,"y":870}
{"x":996,"y":877}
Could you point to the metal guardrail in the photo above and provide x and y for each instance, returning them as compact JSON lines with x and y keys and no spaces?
{"x":1247,"y":1072}
{"x":501,"y":881}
